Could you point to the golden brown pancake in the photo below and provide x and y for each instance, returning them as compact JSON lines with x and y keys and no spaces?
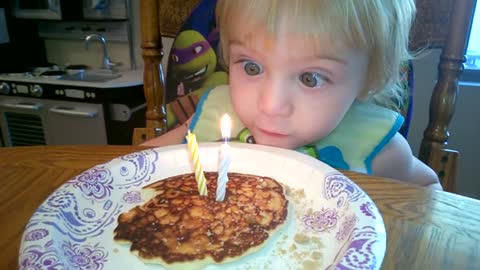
{"x":177,"y":227}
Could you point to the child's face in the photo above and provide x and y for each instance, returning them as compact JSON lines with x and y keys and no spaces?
{"x":290,"y":92}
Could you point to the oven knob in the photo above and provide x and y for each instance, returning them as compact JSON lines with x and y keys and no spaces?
{"x":37,"y":91}
{"x":4,"y":88}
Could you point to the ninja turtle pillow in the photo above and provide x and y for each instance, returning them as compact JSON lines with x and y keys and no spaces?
{"x":193,"y":63}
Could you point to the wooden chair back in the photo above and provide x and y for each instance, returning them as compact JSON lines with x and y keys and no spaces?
{"x":442,"y":24}
{"x":159,"y":18}
{"x":439,"y":24}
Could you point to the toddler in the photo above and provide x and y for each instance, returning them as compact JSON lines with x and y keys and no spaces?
{"x":318,"y":76}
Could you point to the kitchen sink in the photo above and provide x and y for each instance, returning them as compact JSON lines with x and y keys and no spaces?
{"x":91,"y":76}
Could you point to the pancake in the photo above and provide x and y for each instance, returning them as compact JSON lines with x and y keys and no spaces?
{"x":180,"y":229}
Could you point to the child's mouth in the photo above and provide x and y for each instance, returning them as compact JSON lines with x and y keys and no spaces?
{"x":273,"y":133}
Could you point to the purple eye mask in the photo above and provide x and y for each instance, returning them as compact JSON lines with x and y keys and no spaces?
{"x":184,"y":55}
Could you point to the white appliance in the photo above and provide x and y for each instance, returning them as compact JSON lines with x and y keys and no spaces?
{"x":39,"y":110}
{"x":31,"y":121}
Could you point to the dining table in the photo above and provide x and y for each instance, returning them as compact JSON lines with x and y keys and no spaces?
{"x":425,"y":229}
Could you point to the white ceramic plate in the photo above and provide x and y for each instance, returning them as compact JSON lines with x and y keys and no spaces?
{"x":332,"y":224}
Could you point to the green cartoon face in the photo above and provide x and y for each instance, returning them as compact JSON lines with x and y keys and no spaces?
{"x":246,"y":136}
{"x":192,"y":58}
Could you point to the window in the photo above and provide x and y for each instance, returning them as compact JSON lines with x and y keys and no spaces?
{"x":472,"y":65}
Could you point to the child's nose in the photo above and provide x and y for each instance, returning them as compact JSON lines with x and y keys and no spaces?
{"x":275,"y":99}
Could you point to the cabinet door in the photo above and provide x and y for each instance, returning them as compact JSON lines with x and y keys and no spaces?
{"x":75,"y":123}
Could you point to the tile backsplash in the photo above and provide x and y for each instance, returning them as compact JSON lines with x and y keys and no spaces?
{"x":63,"y":52}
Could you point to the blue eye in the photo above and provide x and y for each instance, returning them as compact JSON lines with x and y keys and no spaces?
{"x":312,"y":79}
{"x":252,"y":68}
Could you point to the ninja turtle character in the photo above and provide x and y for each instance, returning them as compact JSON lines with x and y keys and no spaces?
{"x":193,"y":63}
{"x":244,"y":136}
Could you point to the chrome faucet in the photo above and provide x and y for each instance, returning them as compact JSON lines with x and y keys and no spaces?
{"x":107,"y":63}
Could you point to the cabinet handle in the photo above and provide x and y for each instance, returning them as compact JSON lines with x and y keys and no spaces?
{"x":69,"y":111}
{"x":24,"y":106}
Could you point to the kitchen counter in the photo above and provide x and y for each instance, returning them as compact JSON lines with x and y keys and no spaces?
{"x":127,"y":79}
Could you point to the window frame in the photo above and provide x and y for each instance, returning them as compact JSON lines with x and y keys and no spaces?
{"x":471,"y":75}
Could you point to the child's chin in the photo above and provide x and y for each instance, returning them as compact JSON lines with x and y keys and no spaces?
{"x":275,"y":143}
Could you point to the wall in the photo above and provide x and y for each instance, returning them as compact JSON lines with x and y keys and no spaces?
{"x":464,"y":127}
{"x":23,"y":42}
{"x":62,"y":52}
{"x":73,"y":52}
{"x":167,"y":42}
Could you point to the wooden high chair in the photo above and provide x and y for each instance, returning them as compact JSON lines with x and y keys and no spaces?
{"x":439,"y":24}
{"x":442,"y":24}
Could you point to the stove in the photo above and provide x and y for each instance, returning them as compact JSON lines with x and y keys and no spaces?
{"x":42,"y":106}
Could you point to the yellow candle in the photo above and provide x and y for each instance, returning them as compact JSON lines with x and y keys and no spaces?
{"x":197,"y":165}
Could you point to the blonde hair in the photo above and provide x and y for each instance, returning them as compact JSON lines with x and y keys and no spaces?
{"x":379,"y":27}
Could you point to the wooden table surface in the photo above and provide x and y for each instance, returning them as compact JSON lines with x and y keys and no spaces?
{"x":425,"y":230}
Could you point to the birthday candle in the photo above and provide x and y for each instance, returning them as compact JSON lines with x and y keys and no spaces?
{"x":225,"y":158}
{"x":197,"y":165}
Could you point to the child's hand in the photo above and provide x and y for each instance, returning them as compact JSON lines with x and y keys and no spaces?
{"x":174,"y":136}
